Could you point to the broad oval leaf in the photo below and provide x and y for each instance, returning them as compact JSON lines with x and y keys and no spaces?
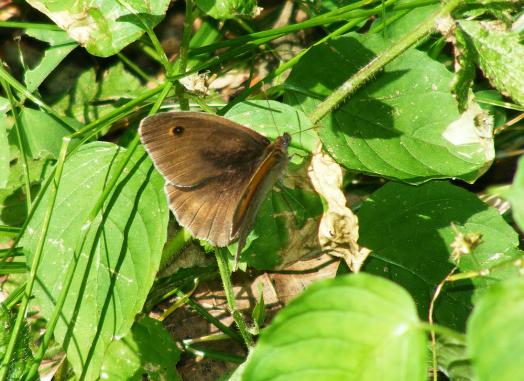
{"x":410,"y":230}
{"x":147,"y":351}
{"x":118,"y":263}
{"x":103,"y":27}
{"x":495,"y":336}
{"x":355,"y":327}
{"x":404,"y":124}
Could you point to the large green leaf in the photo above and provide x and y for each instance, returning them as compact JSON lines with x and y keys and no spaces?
{"x":495,"y":336}
{"x":103,"y":27}
{"x":147,"y":351}
{"x":499,"y":55}
{"x":227,"y":9}
{"x":289,"y":212}
{"x":391,"y":127}
{"x":60,"y":46}
{"x":117,"y":265}
{"x":355,"y":327}
{"x":4,"y":152}
{"x":410,"y":230}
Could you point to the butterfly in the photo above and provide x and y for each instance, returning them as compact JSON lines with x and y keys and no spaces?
{"x":217,"y":172}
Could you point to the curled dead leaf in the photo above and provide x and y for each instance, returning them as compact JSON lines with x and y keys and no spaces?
{"x":338,"y":230}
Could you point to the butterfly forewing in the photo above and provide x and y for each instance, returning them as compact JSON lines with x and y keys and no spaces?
{"x":191,"y":148}
{"x":208,"y":162}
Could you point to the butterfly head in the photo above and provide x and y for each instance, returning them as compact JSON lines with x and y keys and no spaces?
{"x":283,"y":141}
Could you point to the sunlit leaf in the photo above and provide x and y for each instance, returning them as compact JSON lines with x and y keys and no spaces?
{"x":148,"y":350}
{"x":494,"y":334}
{"x":352,"y":327}
{"x":103,"y":27}
{"x":119,"y":261}
{"x":391,"y":127}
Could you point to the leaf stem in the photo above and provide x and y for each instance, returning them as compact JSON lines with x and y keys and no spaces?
{"x":350,"y":86}
{"x":183,"y":54}
{"x":441,"y":330}
{"x":22,"y":143}
{"x":211,"y":319}
{"x":225,"y":274}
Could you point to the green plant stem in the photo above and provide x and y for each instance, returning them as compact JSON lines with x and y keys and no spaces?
{"x":211,"y":319}
{"x":288,"y":65}
{"x":28,"y":25}
{"x":183,"y":54}
{"x":134,"y":67}
{"x":117,"y":113}
{"x":225,"y":274}
{"x":371,"y":69}
{"x":35,"y":263}
{"x":10,"y":229}
{"x":340,"y":14}
{"x":21,"y":143}
{"x":70,"y":272}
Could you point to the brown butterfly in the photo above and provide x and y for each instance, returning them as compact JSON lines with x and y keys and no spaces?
{"x":217,"y":171}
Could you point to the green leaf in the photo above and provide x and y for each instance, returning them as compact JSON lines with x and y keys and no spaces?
{"x":4,"y":152}
{"x":355,"y":327}
{"x":391,"y":127}
{"x":409,"y":20}
{"x":103,"y":27}
{"x":227,"y":9}
{"x":409,"y":229}
{"x":499,"y":54}
{"x":288,"y":215}
{"x":119,"y":83}
{"x":494,"y":335}
{"x":77,"y":102}
{"x":60,"y":46}
{"x":516,"y":195}
{"x":453,"y":359}
{"x":43,"y":133}
{"x":81,"y":99}
{"x":147,"y":351}
{"x":272,"y":119}
{"x":119,"y":261}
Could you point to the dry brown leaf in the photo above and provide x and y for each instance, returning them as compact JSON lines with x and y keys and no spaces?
{"x":338,"y":230}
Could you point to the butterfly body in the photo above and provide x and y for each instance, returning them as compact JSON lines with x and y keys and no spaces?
{"x":217,"y":172}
